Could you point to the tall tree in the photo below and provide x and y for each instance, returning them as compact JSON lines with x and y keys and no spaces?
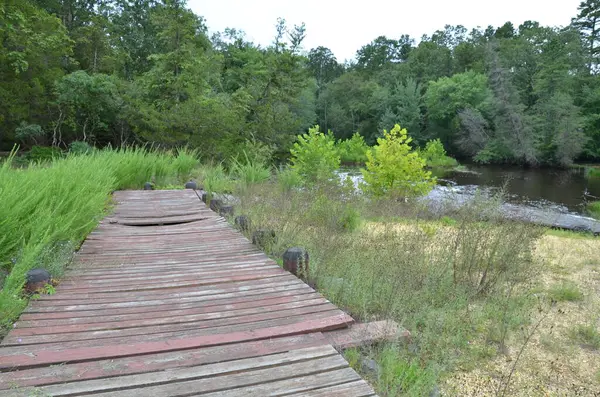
{"x":588,"y":23}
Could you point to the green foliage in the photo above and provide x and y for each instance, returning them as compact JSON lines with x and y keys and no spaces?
{"x":401,"y":377}
{"x":314,"y":156}
{"x":393,"y":169}
{"x":353,"y":150}
{"x":44,"y":153}
{"x":185,"y":161}
{"x":249,"y":171}
{"x":79,"y":148}
{"x":215,"y":179}
{"x":288,"y":179}
{"x":593,"y":209}
{"x":565,"y":292}
{"x":435,"y":155}
{"x":586,"y":335}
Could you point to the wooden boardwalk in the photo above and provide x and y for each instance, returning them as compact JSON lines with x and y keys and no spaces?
{"x":166,"y":299}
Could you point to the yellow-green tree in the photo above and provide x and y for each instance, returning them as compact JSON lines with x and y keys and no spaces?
{"x":394,"y":169}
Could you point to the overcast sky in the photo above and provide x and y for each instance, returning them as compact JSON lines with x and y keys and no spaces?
{"x":344,"y":28}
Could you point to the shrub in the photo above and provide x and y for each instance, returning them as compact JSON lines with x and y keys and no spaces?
{"x":393,"y":169}
{"x":183,"y":164}
{"x":586,"y":335}
{"x":44,"y":153}
{"x":249,"y":171}
{"x":565,"y":292}
{"x":288,"y":179}
{"x":314,"y":156}
{"x":593,"y":209}
{"x":435,"y":155}
{"x":353,"y":150}
{"x":80,"y":147}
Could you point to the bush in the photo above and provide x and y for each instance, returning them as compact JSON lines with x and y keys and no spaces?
{"x":183,"y":164}
{"x":288,"y":179}
{"x":435,"y":155}
{"x":314,"y":156}
{"x":565,"y":292}
{"x":353,"y":150}
{"x":80,"y":147}
{"x":249,"y":171}
{"x":593,"y":209}
{"x":44,"y":153}
{"x":393,"y":169}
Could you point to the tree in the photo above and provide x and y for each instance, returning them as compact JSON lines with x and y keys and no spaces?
{"x":588,"y":23}
{"x":34,"y":49}
{"x":393,"y":169}
{"x":324,"y":66}
{"x":314,"y":156}
{"x":88,"y":106}
{"x":400,"y":103}
{"x":381,"y":52}
{"x":448,"y":96}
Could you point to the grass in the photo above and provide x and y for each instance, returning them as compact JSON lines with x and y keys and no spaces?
{"x":593,"y":209}
{"x":452,"y":283}
{"x":586,"y":335}
{"x":565,"y":292}
{"x":49,"y":207}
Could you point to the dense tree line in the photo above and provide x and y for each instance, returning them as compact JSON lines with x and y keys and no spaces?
{"x":135,"y":71}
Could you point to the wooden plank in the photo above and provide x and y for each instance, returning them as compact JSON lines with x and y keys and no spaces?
{"x":222,"y":309}
{"x":154,"y":362}
{"x":325,"y":356}
{"x":11,"y":358}
{"x":366,"y":334}
{"x":358,"y":388}
{"x":301,"y":383}
{"x":248,"y":322}
{"x":319,"y":304}
{"x":298,"y":291}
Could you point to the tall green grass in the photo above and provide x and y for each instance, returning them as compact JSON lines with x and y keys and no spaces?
{"x":52,"y":205}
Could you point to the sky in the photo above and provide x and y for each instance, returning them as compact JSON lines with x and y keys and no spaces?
{"x":345,"y":28}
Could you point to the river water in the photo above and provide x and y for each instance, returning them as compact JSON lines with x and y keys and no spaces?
{"x":546,"y":196}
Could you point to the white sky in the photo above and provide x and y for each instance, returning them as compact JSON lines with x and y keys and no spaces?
{"x":344,"y":28}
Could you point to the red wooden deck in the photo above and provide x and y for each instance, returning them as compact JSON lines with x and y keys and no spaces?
{"x":166,"y":299}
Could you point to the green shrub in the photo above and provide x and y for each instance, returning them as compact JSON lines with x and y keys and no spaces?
{"x":586,"y":335}
{"x":353,"y":150}
{"x":216,"y":179}
{"x":249,"y":171}
{"x":44,"y":153}
{"x":593,"y":209}
{"x":314,"y":156}
{"x":393,"y":169}
{"x":80,"y":147}
{"x":288,"y":179}
{"x":565,"y":292}
{"x":435,"y":155}
{"x":592,"y":172}
{"x":183,"y":164}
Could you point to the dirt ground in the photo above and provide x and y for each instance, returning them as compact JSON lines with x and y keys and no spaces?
{"x":554,"y":362}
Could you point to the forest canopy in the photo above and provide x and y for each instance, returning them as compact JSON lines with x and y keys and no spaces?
{"x":114,"y":72}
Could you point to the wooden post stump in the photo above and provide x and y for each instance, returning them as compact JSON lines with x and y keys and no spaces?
{"x":204,"y":197}
{"x":226,"y":211}
{"x":295,"y":261}
{"x":263,"y":238}
{"x":191,"y":185}
{"x":148,"y":186}
{"x":216,"y":205}
{"x":242,"y":222}
{"x":36,"y":280}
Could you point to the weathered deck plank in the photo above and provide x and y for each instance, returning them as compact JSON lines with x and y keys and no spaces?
{"x":166,"y":299}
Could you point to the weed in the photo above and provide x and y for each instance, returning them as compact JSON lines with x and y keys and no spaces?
{"x":586,"y":335}
{"x":249,"y":171}
{"x":353,"y":358}
{"x":593,"y":209}
{"x":565,"y":292}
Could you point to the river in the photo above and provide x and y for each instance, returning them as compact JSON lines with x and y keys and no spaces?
{"x":541,"y":195}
